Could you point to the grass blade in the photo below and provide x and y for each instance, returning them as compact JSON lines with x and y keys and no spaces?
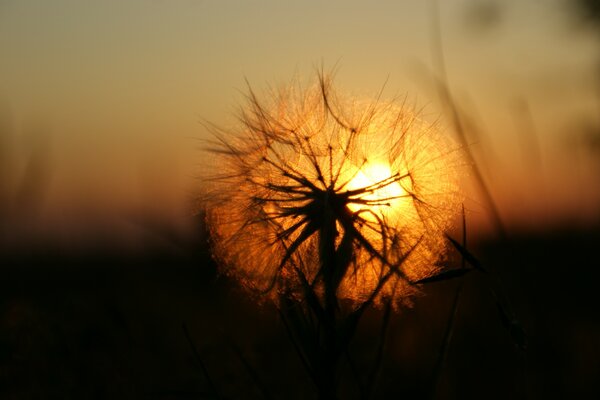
{"x":211,"y":385}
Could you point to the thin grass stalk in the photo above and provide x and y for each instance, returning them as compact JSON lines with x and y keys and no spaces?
{"x":377,"y":366}
{"x":251,"y":370}
{"x":446,"y":97}
{"x":298,"y":349}
{"x":211,"y":385}
{"x":362,"y":390}
{"x":448,"y":332}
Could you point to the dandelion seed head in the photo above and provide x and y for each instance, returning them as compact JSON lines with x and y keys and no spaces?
{"x":307,"y":163}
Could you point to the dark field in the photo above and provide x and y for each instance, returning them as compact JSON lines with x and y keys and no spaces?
{"x":108,"y":324}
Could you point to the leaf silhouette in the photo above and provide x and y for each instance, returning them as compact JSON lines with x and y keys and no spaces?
{"x":445,"y":275}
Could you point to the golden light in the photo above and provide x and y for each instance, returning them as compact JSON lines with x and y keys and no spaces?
{"x":387,"y":197}
{"x":361,"y":191}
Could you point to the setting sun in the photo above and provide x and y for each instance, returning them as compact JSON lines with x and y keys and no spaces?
{"x":385,"y":196}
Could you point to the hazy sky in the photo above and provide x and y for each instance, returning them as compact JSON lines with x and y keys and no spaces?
{"x":119,"y":86}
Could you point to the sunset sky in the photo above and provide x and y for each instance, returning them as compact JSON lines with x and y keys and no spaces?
{"x":116,"y":91}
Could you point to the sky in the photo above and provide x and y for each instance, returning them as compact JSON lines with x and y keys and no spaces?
{"x":114,"y":93}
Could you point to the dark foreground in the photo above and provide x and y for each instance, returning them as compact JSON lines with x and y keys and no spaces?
{"x":102,"y":324}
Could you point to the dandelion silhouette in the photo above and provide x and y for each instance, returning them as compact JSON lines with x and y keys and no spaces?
{"x":331,"y":198}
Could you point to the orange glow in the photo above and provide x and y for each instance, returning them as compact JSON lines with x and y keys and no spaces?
{"x":387,"y":197}
{"x":371,"y":178}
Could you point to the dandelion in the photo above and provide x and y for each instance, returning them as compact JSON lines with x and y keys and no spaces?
{"x":330,"y":197}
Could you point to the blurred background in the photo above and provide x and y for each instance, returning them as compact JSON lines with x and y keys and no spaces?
{"x":103,"y":257}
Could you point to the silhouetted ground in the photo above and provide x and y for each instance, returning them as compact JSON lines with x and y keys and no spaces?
{"x":108,"y":325}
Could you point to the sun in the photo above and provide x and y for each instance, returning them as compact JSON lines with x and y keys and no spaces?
{"x":385,"y":197}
